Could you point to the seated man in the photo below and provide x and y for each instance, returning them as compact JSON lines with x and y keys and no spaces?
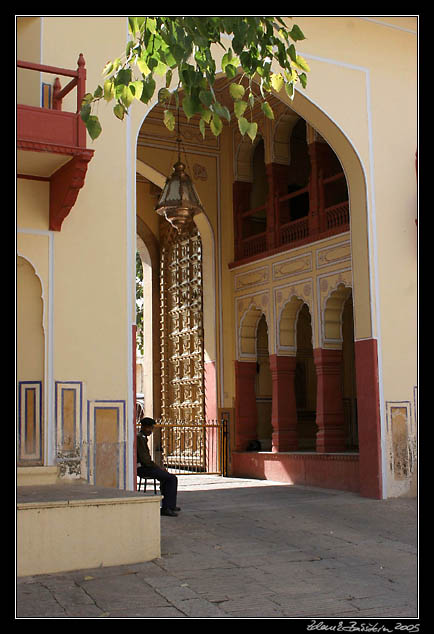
{"x":147,"y":468}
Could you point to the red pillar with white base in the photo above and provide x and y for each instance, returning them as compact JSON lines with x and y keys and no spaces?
{"x":330,"y":437}
{"x":284,"y":410}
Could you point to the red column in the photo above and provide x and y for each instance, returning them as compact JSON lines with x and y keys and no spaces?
{"x":284,"y":411}
{"x":368,"y":416}
{"x":329,"y":405}
{"x":241,"y":202}
{"x":314,"y":194}
{"x":246,"y":416}
{"x":277,"y":181}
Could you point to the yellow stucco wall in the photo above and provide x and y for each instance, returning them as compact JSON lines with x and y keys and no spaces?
{"x":85,"y":267}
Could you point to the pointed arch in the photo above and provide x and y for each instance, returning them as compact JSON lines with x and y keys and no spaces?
{"x":332,"y":316}
{"x":244,"y":153}
{"x":287,"y":325}
{"x":247,"y":331}
{"x":281,"y":150}
{"x":31,"y":364}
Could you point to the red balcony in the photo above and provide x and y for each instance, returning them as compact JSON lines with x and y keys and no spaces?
{"x":291,"y":220}
{"x":51,"y":143}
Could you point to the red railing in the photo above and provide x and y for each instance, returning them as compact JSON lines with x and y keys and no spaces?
{"x":294,"y":231}
{"x":337,"y":216}
{"x":79,"y":80}
{"x":332,"y":219}
{"x":68,"y":128}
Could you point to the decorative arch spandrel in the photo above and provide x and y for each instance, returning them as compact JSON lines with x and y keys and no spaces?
{"x":288,"y":301}
{"x":333,"y":293}
{"x":249,"y":311}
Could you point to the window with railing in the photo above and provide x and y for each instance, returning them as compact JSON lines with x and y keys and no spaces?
{"x":293,"y":214}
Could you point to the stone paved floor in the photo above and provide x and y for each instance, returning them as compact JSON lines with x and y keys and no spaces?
{"x":245,"y":548}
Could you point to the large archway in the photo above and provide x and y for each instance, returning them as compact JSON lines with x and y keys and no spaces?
{"x":152,"y":301}
{"x":363,"y":407}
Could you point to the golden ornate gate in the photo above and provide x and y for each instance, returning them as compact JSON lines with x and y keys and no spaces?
{"x":182,"y":349}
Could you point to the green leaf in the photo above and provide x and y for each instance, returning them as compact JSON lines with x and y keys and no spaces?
{"x":230,"y":71}
{"x":226,"y":59}
{"x":202,"y":127}
{"x":216,"y":124}
{"x":98,"y":92}
{"x":206,"y":115}
{"x":164,"y":95}
{"x":119,"y":111}
{"x":237,"y":91}
{"x":160,"y":68}
{"x":230,"y":64}
{"x":109,"y":90}
{"x":190,"y":105}
{"x":246,"y":127}
{"x":123,"y":77}
{"x":277,"y":81}
{"x":206,"y":97}
{"x":289,"y":89}
{"x":252,"y":130}
{"x":292,"y":53}
{"x":301,"y":63}
{"x":148,"y":89}
{"x":125,"y":94}
{"x":143,"y":66}
{"x":132,"y":25}
{"x":85,"y":112}
{"x":239,"y":108}
{"x":137,"y":88}
{"x":169,"y":120}
{"x":221,"y":111}
{"x":296,"y":33}
{"x":266,"y":109}
{"x":151,"y":25}
{"x":93,"y":126}
{"x":303,"y":79}
{"x":243,"y":125}
{"x":88,"y":98}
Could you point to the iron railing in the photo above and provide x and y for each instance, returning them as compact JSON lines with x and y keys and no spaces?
{"x":192,"y":447}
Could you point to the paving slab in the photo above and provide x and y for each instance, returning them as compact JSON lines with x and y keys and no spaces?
{"x":244,"y":548}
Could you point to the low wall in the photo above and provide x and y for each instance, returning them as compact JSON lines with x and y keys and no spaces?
{"x":61,"y":534}
{"x":328,"y":471}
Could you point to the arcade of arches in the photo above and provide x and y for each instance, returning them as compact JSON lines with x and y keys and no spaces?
{"x":293,"y":378}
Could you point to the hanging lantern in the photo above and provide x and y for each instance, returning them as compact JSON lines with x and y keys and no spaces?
{"x":179,"y":201}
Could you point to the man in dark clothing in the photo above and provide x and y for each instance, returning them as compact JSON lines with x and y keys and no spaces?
{"x":147,"y":468}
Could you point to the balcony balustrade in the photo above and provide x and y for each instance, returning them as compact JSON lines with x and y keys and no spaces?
{"x":51,"y":143}
{"x":290,"y":220}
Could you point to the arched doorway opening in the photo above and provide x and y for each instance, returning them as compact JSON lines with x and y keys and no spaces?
{"x":144,"y":332}
{"x":31,"y":367}
{"x":343,"y":345}
{"x":305,"y":382}
{"x":155,"y":234}
{"x":263,"y":387}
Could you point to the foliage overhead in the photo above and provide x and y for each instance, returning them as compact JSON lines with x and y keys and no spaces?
{"x":160,"y":46}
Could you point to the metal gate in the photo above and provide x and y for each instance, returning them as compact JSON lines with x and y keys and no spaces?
{"x":192,"y":447}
